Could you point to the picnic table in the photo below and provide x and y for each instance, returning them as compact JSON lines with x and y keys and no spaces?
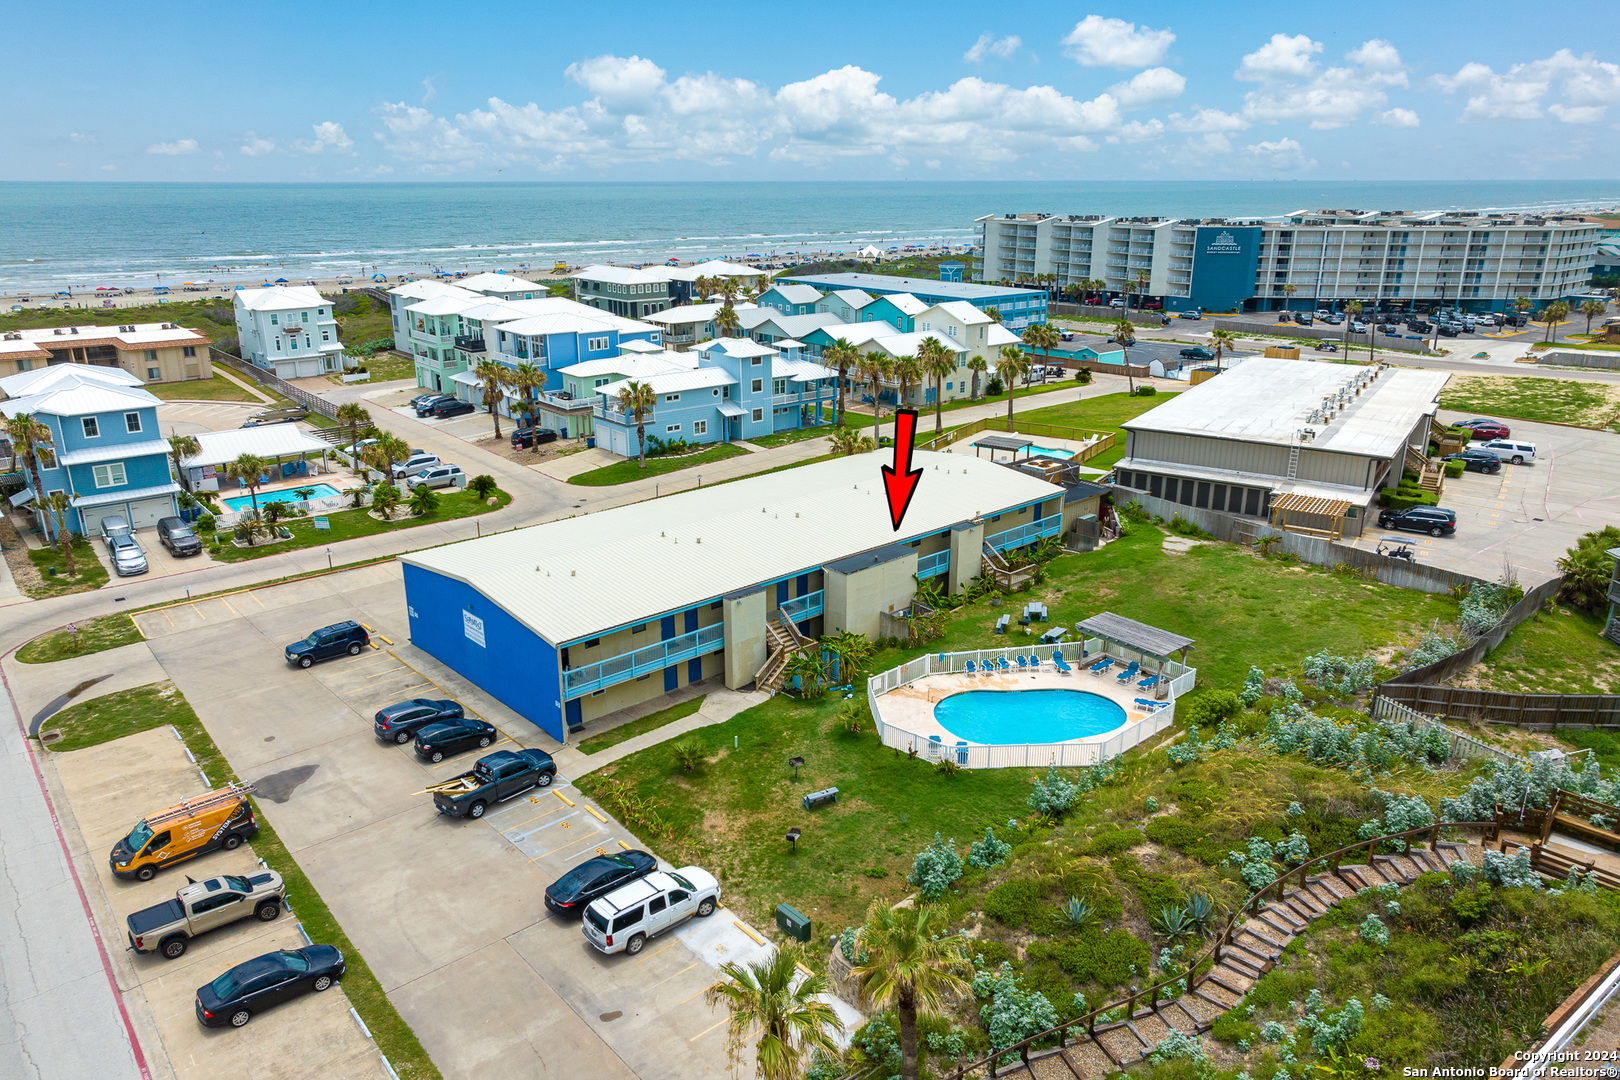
{"x":1034,"y":611}
{"x":1053,"y":635}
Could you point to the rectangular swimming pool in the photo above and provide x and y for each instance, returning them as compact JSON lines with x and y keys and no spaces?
{"x":245,"y":502}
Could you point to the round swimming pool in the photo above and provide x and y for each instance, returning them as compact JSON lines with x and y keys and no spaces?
{"x":1000,"y":717}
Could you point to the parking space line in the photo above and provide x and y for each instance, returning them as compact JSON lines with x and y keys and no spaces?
{"x":705,"y":1031}
{"x":571,"y":843}
{"x":745,"y":928}
{"x":228,"y":604}
{"x":677,"y":975}
{"x":655,"y":952}
{"x":537,"y":817}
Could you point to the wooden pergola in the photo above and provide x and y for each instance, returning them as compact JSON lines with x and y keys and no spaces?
{"x":1293,"y":503}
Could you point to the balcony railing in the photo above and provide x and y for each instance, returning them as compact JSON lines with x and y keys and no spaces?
{"x":578,"y":682}
{"x":1026,"y":534}
{"x":470,"y":344}
{"x":803,"y":607}
{"x":937,"y":563}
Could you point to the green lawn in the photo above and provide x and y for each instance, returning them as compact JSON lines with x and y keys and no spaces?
{"x":623,"y":472}
{"x":348,"y":524}
{"x":389,"y":366}
{"x":1560,"y":401}
{"x":88,"y":571}
{"x":1593,"y":346}
{"x":102,"y":719}
{"x":1558,"y":650}
{"x":217,"y":388}
{"x":368,"y":320}
{"x":651,"y":722}
{"x":93,"y":636}
{"x":215,"y":317}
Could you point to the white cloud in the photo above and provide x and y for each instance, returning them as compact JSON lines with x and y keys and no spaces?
{"x":1588,"y":87}
{"x":1397,"y":118}
{"x":1212,"y":143}
{"x":79,"y":137}
{"x":1148,"y":87}
{"x":430,"y":93}
{"x":1208,"y":120}
{"x":257,"y":145}
{"x":932,"y":163}
{"x":109,"y":168}
{"x":1283,"y":154}
{"x":1141,"y":131}
{"x":1282,"y":57}
{"x":990,"y":45}
{"x":618,"y":81}
{"x":1099,"y":42}
{"x":1378,"y":55}
{"x":173,"y":149}
{"x":328,"y":136}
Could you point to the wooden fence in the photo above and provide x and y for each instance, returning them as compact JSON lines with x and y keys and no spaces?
{"x":270,"y":381}
{"x":1462,"y":746}
{"x":1551,"y":711}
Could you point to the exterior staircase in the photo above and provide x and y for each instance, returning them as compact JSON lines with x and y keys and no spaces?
{"x":1002,"y":573}
{"x":782,"y":640}
{"x":1431,"y":474}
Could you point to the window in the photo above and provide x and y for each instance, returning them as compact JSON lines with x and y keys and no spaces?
{"x":304,"y":316}
{"x":326,"y":335}
{"x":278,"y":343}
{"x":757,"y":385}
{"x":670,"y":429}
{"x":628,"y":919}
{"x":754,"y":362}
{"x":596,"y":344}
{"x":154,"y":374}
{"x":779,"y":386}
{"x":640,"y":628}
{"x":92,"y":429}
{"x":320,"y":311}
{"x":132,"y":422}
{"x":47,"y":457}
{"x":110,"y":475}
{"x":189,"y":350}
{"x":759,"y":414}
{"x":656,"y":904}
{"x":672,"y":397}
{"x":593,"y":643}
{"x":272,"y":320}
{"x":700,"y":427}
{"x":151,"y":354}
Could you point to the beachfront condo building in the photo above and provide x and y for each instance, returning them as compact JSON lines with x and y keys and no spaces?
{"x":622,"y":290}
{"x":1017,"y":308}
{"x":1477,"y":260}
{"x":152,"y":352}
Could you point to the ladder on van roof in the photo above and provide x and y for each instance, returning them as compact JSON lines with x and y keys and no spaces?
{"x":189,"y":808}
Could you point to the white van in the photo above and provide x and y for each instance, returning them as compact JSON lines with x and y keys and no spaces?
{"x":625,"y":918}
{"x":1509,"y":450}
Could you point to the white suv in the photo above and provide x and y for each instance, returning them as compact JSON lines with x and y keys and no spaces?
{"x":1509,"y":450}
{"x":625,"y":918}
{"x":414,"y":464}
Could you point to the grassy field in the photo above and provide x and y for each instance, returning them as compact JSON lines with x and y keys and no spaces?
{"x":1559,"y":401}
{"x":93,"y":636}
{"x":215,"y":317}
{"x":623,"y":472}
{"x":89,"y":573}
{"x":1103,"y":413}
{"x":366,"y":320}
{"x":217,"y":388}
{"x":912,"y":266}
{"x":102,"y":719}
{"x":1555,"y":651}
{"x":650,"y":722}
{"x":389,"y":366}
{"x":348,"y":524}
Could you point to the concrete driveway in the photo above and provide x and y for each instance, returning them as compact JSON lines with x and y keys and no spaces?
{"x":447,"y":913}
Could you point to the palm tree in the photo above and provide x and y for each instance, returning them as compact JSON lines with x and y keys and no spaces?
{"x":1141,"y":283}
{"x":914,"y":965}
{"x":791,"y":1021}
{"x":1125,"y":331}
{"x":843,"y":356}
{"x":1592,"y":309}
{"x":848,"y":441}
{"x":726,"y":320}
{"x":704,"y":286}
{"x":248,"y":469}
{"x":978,"y":365}
{"x":729,"y":289}
{"x":1041,"y":336}
{"x":761,"y":287}
{"x":424,"y":500}
{"x":907,"y":371}
{"x":385,"y":498}
{"x":354,"y":414}
{"x":59,"y":504}
{"x":1225,"y":341}
{"x":1288,"y":296}
{"x":388,"y":449}
{"x":1010,"y":364}
{"x":636,"y":400}
{"x":995,"y":315}
{"x":28,"y":436}
{"x":183,"y":446}
{"x":526,"y":377}
{"x":1552,"y":315}
{"x":939,"y":362}
{"x":495,"y":377}
{"x":875,"y":366}
{"x":1352,"y":312}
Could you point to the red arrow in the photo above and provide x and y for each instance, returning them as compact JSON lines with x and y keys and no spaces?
{"x":900,"y":482}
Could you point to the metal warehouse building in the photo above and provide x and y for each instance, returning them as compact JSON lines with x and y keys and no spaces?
{"x":572,"y":620}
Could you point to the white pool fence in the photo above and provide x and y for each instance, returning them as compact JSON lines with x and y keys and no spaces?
{"x":1078,"y":653}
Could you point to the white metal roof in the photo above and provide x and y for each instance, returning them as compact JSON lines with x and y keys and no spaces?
{"x":800,"y":370}
{"x":711,"y":268}
{"x":1269,"y":400}
{"x":579,"y":577}
{"x":798,"y":294}
{"x":855,"y":298}
{"x":633,"y":366}
{"x":908,"y":344}
{"x":794,"y":326}
{"x":446,"y":305}
{"x":999,"y":335}
{"x":498,"y":283}
{"x":906,"y":303}
{"x":696,"y":313}
{"x":420,"y":290}
{"x":735,"y":346}
{"x":269,"y":441}
{"x":621,"y":275}
{"x":639,"y":346}
{"x":674,"y":381}
{"x":115,"y":452}
{"x":107,"y":498}
{"x":284,"y":297}
{"x":80,"y":398}
{"x":41,"y":379}
{"x":963,"y":312}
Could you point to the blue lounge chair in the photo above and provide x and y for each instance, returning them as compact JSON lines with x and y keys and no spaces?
{"x":969,"y":668}
{"x":1101,"y":666}
{"x":1023,"y":665}
{"x":1062,"y":664}
{"x":1001,"y":662}
{"x":1148,"y":683}
{"x":1129,"y":673}
{"x":1150,"y":705}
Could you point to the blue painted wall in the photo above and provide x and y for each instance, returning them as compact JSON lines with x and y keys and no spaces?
{"x":1224,"y":262}
{"x":514,"y":665}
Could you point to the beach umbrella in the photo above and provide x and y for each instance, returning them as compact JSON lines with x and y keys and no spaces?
{"x":379,"y":277}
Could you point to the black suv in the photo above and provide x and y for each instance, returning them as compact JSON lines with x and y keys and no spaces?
{"x":327,"y":642}
{"x":1478,"y":460}
{"x":424,"y":405}
{"x":573,"y":892}
{"x":451,"y":407}
{"x":437,"y":740}
{"x":525,"y":437}
{"x":1429,"y":519}
{"x":401,"y":721}
{"x":177,"y":536}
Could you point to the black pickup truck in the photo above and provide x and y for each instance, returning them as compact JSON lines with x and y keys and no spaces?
{"x":493,"y":779}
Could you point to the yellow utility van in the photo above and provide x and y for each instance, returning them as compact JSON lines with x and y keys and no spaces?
{"x":219,"y":819}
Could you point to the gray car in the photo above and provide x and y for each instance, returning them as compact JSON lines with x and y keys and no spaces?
{"x":127,"y":557}
{"x":437,"y":476}
{"x":114,"y":525}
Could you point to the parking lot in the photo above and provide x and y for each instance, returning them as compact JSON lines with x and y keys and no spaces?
{"x":112,"y":786}
{"x":1529,"y":514}
{"x":448,"y":913}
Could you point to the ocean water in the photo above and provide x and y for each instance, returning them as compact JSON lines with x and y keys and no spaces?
{"x":55,"y":235}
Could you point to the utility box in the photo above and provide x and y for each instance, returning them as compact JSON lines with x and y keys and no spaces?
{"x":791,"y":923}
{"x":820,"y":798}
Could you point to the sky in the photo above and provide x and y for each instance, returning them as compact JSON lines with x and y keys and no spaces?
{"x":630,"y":91}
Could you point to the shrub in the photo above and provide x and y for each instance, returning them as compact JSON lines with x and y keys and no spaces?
{"x":1510,"y":871}
{"x":993,"y":387}
{"x":1402,"y":498}
{"x":1112,"y":959}
{"x":989,"y":851}
{"x":936,"y":868}
{"x":1014,"y":903}
{"x":878,"y":1044}
{"x":482,"y":485}
{"x":1374,"y":932}
{"x":1174,"y":832}
{"x":688,"y":752}
{"x":1083,"y":376}
{"x":990,"y":954}
{"x":1014,"y":1013}
{"x":846,"y":945}
{"x":1146,"y":391}
{"x":1233,"y":1027}
{"x":1111,"y":843}
{"x":1253,"y":687}
{"x":1210,"y":708}
{"x":1455,"y":468}
{"x":205,"y":523}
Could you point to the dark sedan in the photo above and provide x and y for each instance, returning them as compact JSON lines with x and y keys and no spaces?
{"x":401,"y":721}
{"x":452,"y":407}
{"x":1485,"y":429}
{"x":437,"y":741}
{"x":248,"y":988}
{"x":573,"y":892}
{"x":1477,"y":460}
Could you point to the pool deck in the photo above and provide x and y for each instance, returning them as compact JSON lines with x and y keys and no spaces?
{"x":912,"y":707}
{"x":1045,"y":442}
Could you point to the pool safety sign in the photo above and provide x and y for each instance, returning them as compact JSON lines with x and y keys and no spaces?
{"x":473,"y":627}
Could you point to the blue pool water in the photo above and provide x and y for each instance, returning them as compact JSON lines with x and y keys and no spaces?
{"x":1050,"y":452}
{"x":245,"y":502}
{"x":1027,"y":716}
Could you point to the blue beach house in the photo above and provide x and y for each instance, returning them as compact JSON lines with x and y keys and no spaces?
{"x":790,"y":299}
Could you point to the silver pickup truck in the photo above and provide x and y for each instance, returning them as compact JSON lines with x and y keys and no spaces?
{"x":201,"y":906}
